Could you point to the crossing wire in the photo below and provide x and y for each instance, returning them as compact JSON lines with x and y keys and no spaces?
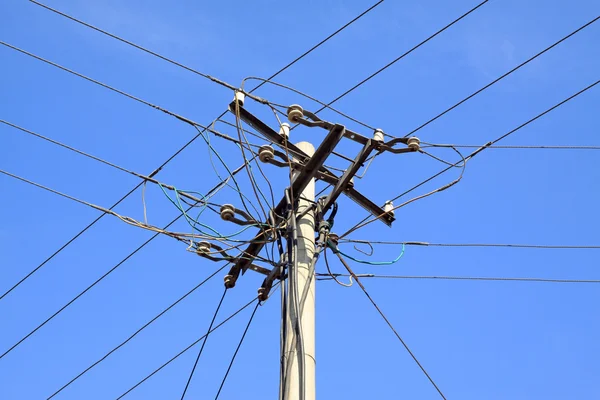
{"x":203,"y":344}
{"x":390,"y":325}
{"x":103,"y":276}
{"x":237,"y":350}
{"x":123,"y":343}
{"x":187,"y":144}
{"x":503,"y":76}
{"x":353,"y":88}
{"x":365,"y":221}
{"x":186,"y":349}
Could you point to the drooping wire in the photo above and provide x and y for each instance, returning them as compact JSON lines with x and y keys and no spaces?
{"x":123,"y":343}
{"x":367,"y":221}
{"x":336,"y":250}
{"x":90,"y":286}
{"x":502,"y":76}
{"x":237,"y":350}
{"x":203,"y":344}
{"x":391,"y":326}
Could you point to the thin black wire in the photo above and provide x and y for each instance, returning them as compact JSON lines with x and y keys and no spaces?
{"x":401,"y":56}
{"x":186,"y":349}
{"x":134,"y":45}
{"x":104,"y":85}
{"x":364,"y":221}
{"x":136,"y":332}
{"x":390,"y":325}
{"x":511,"y":245}
{"x":70,"y":148}
{"x":502,"y":76}
{"x":174,"y":155}
{"x":203,"y":343}
{"x":236,"y":350}
{"x":521,"y":147}
{"x":95,"y":282}
{"x":319,"y":44}
{"x":464,"y":278}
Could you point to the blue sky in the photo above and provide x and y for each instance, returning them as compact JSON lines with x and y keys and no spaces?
{"x":478,"y":340}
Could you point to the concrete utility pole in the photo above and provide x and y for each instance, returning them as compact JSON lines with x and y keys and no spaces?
{"x":305,"y":230}
{"x":298,"y":305}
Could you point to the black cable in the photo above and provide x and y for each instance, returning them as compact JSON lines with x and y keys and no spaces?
{"x":390,"y":325}
{"x":366,"y":220}
{"x":236,"y":350}
{"x":135,"y":45}
{"x":502,"y":76}
{"x":517,"y":147}
{"x":401,"y":56}
{"x":319,"y":44}
{"x":185,"y":350}
{"x":203,"y":343}
{"x":173,"y":156}
{"x":511,"y":245}
{"x":463,"y":278}
{"x":95,"y":282}
{"x":104,"y":357}
{"x":168,"y":160}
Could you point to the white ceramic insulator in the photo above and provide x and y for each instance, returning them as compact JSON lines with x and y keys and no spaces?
{"x":378,"y":135}
{"x":227,"y":212}
{"x":414,"y":143}
{"x":388,"y":207}
{"x":239,"y":98}
{"x":284,"y":130}
{"x":203,"y":247}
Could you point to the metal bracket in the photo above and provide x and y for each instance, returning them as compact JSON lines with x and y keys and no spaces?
{"x":344,"y":180}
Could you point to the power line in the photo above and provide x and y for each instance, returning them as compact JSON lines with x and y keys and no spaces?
{"x":511,"y":245}
{"x":99,"y":279}
{"x":199,"y":134}
{"x":104,"y":85}
{"x":203,"y":343}
{"x":186,"y":349}
{"x":365,"y":221}
{"x":123,"y":343}
{"x":347,"y":24}
{"x":401,"y":56}
{"x":461,"y":278}
{"x":503,"y":76}
{"x":390,"y":325}
{"x":521,"y":147}
{"x":237,"y":349}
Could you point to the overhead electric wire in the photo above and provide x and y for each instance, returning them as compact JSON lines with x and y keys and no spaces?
{"x":186,"y":349}
{"x":390,"y":325}
{"x":123,"y":343}
{"x":367,"y":221}
{"x":461,"y":278}
{"x":347,"y":24}
{"x":203,"y":344}
{"x":237,"y":350}
{"x":95,"y":282}
{"x":516,"y":147}
{"x":401,"y":56}
{"x":503,"y":76}
{"x":60,"y":249}
{"x":511,"y":245}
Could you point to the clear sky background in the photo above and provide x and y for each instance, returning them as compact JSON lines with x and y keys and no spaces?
{"x":478,"y":340}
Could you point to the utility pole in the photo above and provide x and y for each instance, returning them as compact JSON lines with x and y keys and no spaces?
{"x":305,"y":233}
{"x":298,"y":217}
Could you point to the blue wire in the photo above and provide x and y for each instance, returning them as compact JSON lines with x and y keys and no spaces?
{"x":337,"y":250}
{"x":195,"y":222}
